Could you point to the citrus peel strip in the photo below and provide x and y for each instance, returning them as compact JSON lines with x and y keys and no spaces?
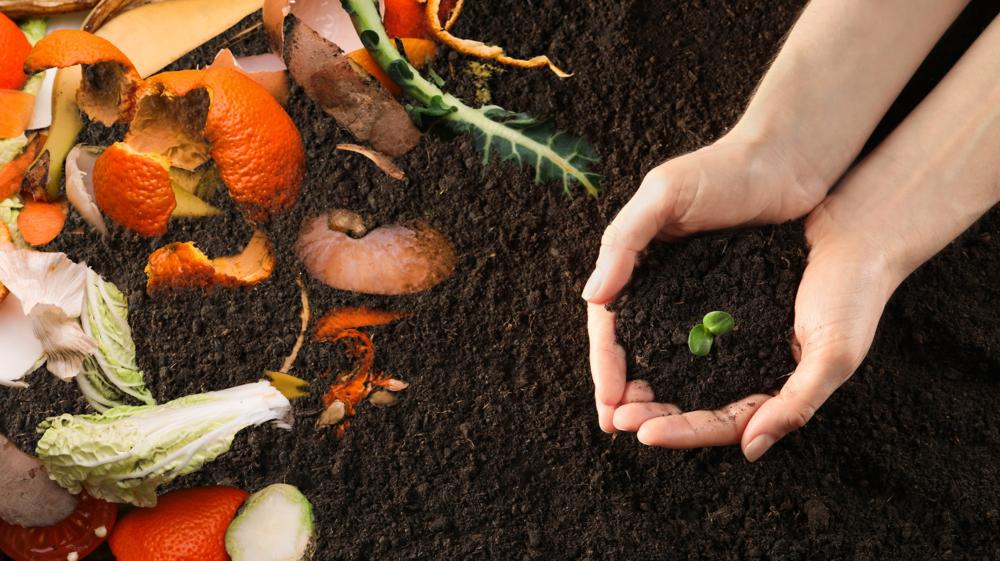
{"x":181,"y":265}
{"x":340,"y":319}
{"x":480,"y":49}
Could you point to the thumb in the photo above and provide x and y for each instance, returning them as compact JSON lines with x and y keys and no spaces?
{"x":817,"y":376}
{"x":638,"y":222}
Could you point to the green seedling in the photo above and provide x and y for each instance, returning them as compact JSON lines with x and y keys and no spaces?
{"x":702,"y":336}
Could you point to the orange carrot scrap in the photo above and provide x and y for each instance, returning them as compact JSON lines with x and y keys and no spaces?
{"x":12,"y":173}
{"x":332,"y":326}
{"x":418,"y":51}
{"x":40,"y":222}
{"x":16,"y":114}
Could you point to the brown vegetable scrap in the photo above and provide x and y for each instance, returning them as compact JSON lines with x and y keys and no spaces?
{"x":355,"y":100}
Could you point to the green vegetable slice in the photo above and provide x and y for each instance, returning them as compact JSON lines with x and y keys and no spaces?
{"x":275,"y":524}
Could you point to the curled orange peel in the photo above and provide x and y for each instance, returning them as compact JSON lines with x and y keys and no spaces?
{"x":181,"y":265}
{"x":478,"y":48}
{"x":133,"y":188}
{"x":110,"y":84}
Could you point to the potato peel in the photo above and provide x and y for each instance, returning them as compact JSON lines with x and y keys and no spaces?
{"x":181,"y":265}
{"x":478,"y":48}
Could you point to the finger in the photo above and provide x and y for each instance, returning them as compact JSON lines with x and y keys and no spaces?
{"x":630,"y":416}
{"x":697,"y":429}
{"x":638,"y":391}
{"x":629,"y":233}
{"x":813,"y":382}
{"x":607,"y":363}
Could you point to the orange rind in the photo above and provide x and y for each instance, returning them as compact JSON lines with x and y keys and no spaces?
{"x":134,"y":189}
{"x":181,"y":265}
{"x":111,"y":84}
{"x":16,"y":113}
{"x":14,"y":46}
{"x":336,"y":321}
{"x":253,"y":142}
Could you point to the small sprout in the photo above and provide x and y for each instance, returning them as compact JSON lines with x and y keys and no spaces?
{"x":718,"y":323}
{"x":702,"y":336}
{"x":700,"y":340}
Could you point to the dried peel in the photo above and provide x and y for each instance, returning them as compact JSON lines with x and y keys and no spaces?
{"x":268,"y":70}
{"x":351,"y":97}
{"x":110,"y":83}
{"x":389,"y":260}
{"x":181,"y":265}
{"x":478,"y":48}
{"x":383,"y":162}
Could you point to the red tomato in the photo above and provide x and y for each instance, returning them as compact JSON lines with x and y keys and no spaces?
{"x":83,"y":532}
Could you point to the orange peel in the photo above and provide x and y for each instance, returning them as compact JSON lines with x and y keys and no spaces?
{"x":110,"y":84}
{"x":478,"y":48}
{"x":254,"y":143}
{"x":181,"y":265}
{"x":133,"y":189}
{"x":340,"y":319}
{"x":16,"y":114}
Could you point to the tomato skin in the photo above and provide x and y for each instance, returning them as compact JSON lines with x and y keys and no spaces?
{"x":77,"y":534}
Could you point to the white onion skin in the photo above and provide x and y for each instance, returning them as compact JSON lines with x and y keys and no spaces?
{"x":389,"y":260}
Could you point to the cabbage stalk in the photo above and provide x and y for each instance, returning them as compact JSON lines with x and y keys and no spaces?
{"x":126,"y":453}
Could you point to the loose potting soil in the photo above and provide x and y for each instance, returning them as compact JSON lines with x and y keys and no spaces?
{"x":494,"y":452}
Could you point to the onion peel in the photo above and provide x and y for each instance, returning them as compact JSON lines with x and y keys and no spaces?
{"x":383,"y":162}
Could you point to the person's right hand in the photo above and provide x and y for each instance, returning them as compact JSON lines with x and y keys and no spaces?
{"x":733,"y":182}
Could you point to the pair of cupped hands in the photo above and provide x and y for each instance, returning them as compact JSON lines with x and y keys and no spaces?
{"x":867,"y":227}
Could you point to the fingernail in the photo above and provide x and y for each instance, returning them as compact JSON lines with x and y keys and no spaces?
{"x":592,"y":285}
{"x":758,"y":447}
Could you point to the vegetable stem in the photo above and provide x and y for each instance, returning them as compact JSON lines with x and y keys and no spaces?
{"x":522,"y":139}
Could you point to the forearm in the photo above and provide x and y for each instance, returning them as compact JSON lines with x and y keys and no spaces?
{"x":840,"y":69}
{"x":938,"y":172}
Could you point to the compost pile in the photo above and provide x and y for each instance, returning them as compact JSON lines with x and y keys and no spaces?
{"x":494,"y":450}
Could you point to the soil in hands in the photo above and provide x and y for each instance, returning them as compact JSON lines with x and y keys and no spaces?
{"x":494,"y":450}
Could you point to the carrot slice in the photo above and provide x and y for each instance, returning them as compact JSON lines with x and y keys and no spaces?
{"x":336,"y":321}
{"x":12,"y":173}
{"x":40,"y":222}
{"x":16,"y":114}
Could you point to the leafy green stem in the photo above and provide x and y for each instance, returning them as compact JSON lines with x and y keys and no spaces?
{"x":508,"y":135}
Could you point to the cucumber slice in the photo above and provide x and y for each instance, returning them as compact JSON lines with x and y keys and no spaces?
{"x":275,"y":524}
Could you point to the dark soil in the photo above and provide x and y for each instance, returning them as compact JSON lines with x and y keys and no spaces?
{"x":494,"y":450}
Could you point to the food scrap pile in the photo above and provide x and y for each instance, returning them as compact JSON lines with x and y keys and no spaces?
{"x":192,"y":136}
